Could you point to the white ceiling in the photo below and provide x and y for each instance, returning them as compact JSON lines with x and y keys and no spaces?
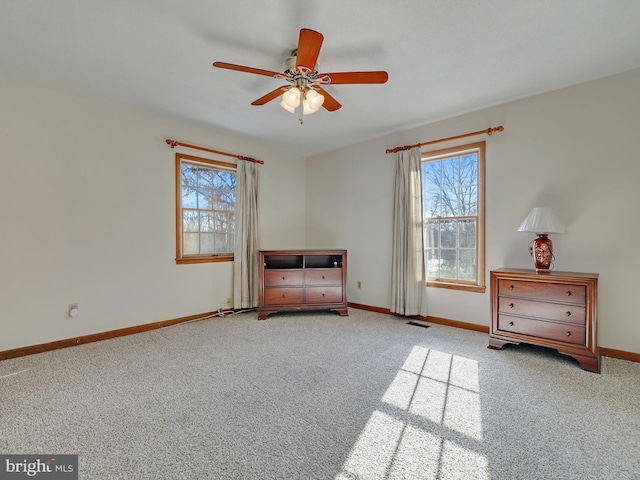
{"x":444,"y":57}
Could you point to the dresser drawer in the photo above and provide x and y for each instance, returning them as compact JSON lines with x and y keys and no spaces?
{"x":558,"y":292}
{"x":552,"y":311}
{"x":323,"y":277}
{"x":565,"y":333}
{"x":323,"y":295}
{"x":282,"y":278}
{"x":283,"y":296}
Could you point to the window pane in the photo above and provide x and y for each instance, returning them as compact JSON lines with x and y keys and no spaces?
{"x":468,"y":201}
{"x":189,"y":175}
{"x":432,"y":236}
{"x":431,"y":203}
{"x":450,"y":202}
{"x":223,"y":242}
{"x":206,"y":222}
{"x":205,"y":198}
{"x":205,"y":178}
{"x":467,"y":233}
{"x":433,"y":262}
{"x":190,"y":221}
{"x":189,"y":198}
{"x":448,"y":233}
{"x":224,"y":200}
{"x":191,"y":243}
{"x":431,"y":175}
{"x":450,"y":176}
{"x":448,"y":264}
{"x":225,"y":188}
{"x":469,"y":169}
{"x":206,"y":243}
{"x":467,"y":265}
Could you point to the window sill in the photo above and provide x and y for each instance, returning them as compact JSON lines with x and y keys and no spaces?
{"x":220,"y":258}
{"x":458,"y":286}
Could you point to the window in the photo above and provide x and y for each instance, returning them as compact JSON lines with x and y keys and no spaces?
{"x":453,"y":209}
{"x":205,"y":209}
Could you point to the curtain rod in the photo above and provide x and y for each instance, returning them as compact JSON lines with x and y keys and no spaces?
{"x":488,"y":131}
{"x":174,"y":143}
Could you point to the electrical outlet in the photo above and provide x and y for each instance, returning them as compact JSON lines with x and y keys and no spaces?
{"x":359,"y":284}
{"x":229,"y":302}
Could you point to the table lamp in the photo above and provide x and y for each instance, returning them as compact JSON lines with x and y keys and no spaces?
{"x":541,"y":221}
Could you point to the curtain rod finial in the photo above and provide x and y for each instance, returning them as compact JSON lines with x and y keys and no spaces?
{"x":172,"y":143}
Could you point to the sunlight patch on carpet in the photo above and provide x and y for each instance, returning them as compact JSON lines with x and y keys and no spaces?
{"x":442,"y":389}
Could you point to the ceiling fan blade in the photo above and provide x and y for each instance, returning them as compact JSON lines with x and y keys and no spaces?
{"x":269,"y":96}
{"x":240,"y":68}
{"x":356,"y":77}
{"x":330,"y":103}
{"x":309,"y":44}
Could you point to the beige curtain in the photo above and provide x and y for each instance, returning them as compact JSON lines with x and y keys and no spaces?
{"x":245,"y":265}
{"x":408,"y":279}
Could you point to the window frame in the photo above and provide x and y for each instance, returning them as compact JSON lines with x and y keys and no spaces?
{"x":181,"y":258}
{"x":479,"y":285}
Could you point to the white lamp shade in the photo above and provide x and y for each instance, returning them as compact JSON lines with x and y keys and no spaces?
{"x":312,"y":102}
{"x":287,"y":107}
{"x":292,"y":97}
{"x":541,"y":220}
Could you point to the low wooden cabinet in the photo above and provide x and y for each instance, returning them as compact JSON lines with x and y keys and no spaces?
{"x":302,"y":280}
{"x":555,"y":309}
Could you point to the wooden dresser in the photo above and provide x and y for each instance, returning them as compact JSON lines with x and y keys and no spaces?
{"x":302,"y":280}
{"x":555,"y":309}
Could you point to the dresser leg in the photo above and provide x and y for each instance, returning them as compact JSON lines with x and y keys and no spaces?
{"x":342,"y":311}
{"x":591,"y":364}
{"x":498,"y":343}
{"x":262,"y":314}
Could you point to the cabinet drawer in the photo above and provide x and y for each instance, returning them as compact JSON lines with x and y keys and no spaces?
{"x":323,"y":295}
{"x":323,"y":277}
{"x":552,"y":311}
{"x":558,"y":292}
{"x":282,"y":278}
{"x":566,"y":333}
{"x":283,"y":296}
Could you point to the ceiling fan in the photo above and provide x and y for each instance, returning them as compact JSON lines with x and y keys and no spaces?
{"x":304,"y":83}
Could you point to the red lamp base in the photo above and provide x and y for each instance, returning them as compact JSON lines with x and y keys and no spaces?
{"x":542,"y":252}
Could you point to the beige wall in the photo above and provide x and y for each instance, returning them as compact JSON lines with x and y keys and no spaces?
{"x":574,"y":150}
{"x":87,"y":208}
{"x":87,"y":211}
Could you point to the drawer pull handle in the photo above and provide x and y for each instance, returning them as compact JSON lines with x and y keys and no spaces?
{"x":568,"y":293}
{"x":323,"y":277}
{"x":284,"y":296}
{"x":323,"y":294}
{"x":511,"y":305}
{"x":568,"y":334}
{"x":511,"y":287}
{"x":568,"y":314}
{"x":511,"y":324}
{"x":283,"y":278}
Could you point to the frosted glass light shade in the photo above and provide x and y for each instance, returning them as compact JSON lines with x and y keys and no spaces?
{"x":312,"y":102}
{"x":541,"y":220}
{"x":287,"y":107}
{"x":292,"y":97}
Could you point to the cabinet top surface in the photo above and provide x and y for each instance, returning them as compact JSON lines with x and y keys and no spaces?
{"x":542,"y":275}
{"x":303,"y":252}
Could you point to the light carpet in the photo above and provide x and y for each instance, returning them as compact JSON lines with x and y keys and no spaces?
{"x":317,"y":396}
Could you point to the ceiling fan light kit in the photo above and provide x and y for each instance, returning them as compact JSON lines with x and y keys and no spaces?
{"x":304,"y":82}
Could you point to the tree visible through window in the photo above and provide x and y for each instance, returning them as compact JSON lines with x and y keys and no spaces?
{"x":453,"y":209}
{"x":205,"y":216}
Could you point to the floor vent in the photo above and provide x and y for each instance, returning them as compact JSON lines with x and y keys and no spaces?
{"x":418,"y":324}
